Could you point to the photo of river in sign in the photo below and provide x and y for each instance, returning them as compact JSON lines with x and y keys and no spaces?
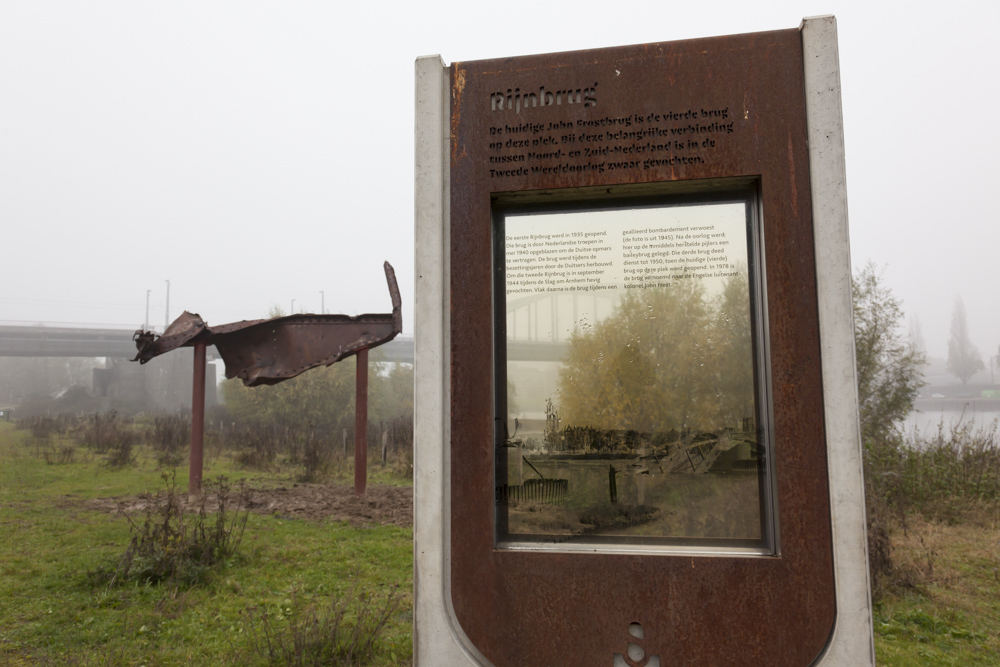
{"x":631,"y":389}
{"x":648,"y":494}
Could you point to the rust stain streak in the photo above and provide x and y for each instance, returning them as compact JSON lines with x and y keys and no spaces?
{"x":457,"y":90}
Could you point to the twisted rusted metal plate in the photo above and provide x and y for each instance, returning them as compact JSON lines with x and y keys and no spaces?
{"x":270,"y":351}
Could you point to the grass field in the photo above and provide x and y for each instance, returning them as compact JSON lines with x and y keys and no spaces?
{"x":941,"y":606}
{"x":52,"y":536}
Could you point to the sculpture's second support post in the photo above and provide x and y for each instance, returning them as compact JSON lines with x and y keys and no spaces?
{"x":197,"y":421}
{"x":361,"y":424}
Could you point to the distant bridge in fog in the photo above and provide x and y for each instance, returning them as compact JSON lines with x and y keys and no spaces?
{"x":41,"y":341}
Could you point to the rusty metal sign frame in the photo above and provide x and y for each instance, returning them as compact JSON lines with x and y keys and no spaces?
{"x":561,"y":608}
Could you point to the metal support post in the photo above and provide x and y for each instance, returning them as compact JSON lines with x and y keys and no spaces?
{"x":361,"y":424}
{"x":197,"y":421}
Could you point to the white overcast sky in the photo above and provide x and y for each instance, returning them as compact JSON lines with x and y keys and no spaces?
{"x":255,"y":153}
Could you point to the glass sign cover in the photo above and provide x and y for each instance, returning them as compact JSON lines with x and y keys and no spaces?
{"x":629,"y":376}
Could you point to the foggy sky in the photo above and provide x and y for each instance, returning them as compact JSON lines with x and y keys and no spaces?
{"x":256,"y":153}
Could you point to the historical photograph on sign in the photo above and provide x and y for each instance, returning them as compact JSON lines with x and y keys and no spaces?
{"x":627,"y":383}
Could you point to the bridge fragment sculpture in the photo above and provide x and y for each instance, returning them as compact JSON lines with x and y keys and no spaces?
{"x":269,"y":351}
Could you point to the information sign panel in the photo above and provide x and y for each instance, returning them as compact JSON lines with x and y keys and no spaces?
{"x":635,"y":421}
{"x":634,"y":427}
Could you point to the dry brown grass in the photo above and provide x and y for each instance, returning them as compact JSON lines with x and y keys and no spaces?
{"x":941,"y":601}
{"x":950,"y":562}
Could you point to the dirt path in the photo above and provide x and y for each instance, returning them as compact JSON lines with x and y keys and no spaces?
{"x":386,"y":505}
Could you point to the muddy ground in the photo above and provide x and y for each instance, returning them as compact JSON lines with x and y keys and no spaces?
{"x":387,"y":505}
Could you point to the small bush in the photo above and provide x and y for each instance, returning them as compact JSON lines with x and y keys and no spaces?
{"x":107,"y":433}
{"x":344,"y":631}
{"x":398,"y":442}
{"x":256,"y":445}
{"x":169,"y":435}
{"x":951,"y":476}
{"x":880,"y":565}
{"x":42,"y":428}
{"x":63,"y":454}
{"x":317,"y":456}
{"x":169,"y":545}
{"x":120,"y":454}
{"x":45,"y":429}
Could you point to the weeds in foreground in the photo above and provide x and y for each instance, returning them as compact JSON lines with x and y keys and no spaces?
{"x":170,"y":545}
{"x":344,"y":631}
{"x":57,"y":621}
{"x":952,"y":476}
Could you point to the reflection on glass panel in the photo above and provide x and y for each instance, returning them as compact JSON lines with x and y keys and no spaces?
{"x":630,"y":388}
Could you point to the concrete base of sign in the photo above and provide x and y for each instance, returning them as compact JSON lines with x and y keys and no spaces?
{"x":851,"y":642}
{"x":438,"y":639}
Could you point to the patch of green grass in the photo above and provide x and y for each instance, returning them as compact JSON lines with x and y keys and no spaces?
{"x":50,"y":540}
{"x":944,"y":605}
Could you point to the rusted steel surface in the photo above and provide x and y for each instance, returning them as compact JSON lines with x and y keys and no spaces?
{"x":197,"y":421}
{"x":531,"y":608}
{"x":361,"y":424}
{"x":263,"y":352}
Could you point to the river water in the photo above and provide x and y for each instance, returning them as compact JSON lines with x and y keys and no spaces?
{"x":930,"y":414}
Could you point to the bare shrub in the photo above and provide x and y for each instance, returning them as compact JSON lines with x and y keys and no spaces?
{"x":880,"y":563}
{"x":107,"y":433}
{"x":951,"y":476}
{"x":343,"y":631}
{"x":940,"y":474}
{"x":61,"y":454}
{"x":317,"y":457}
{"x":256,"y":445}
{"x":120,"y":454}
{"x":170,"y":545}
{"x":169,"y":435}
{"x":43,"y":430}
{"x":399,"y":444}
